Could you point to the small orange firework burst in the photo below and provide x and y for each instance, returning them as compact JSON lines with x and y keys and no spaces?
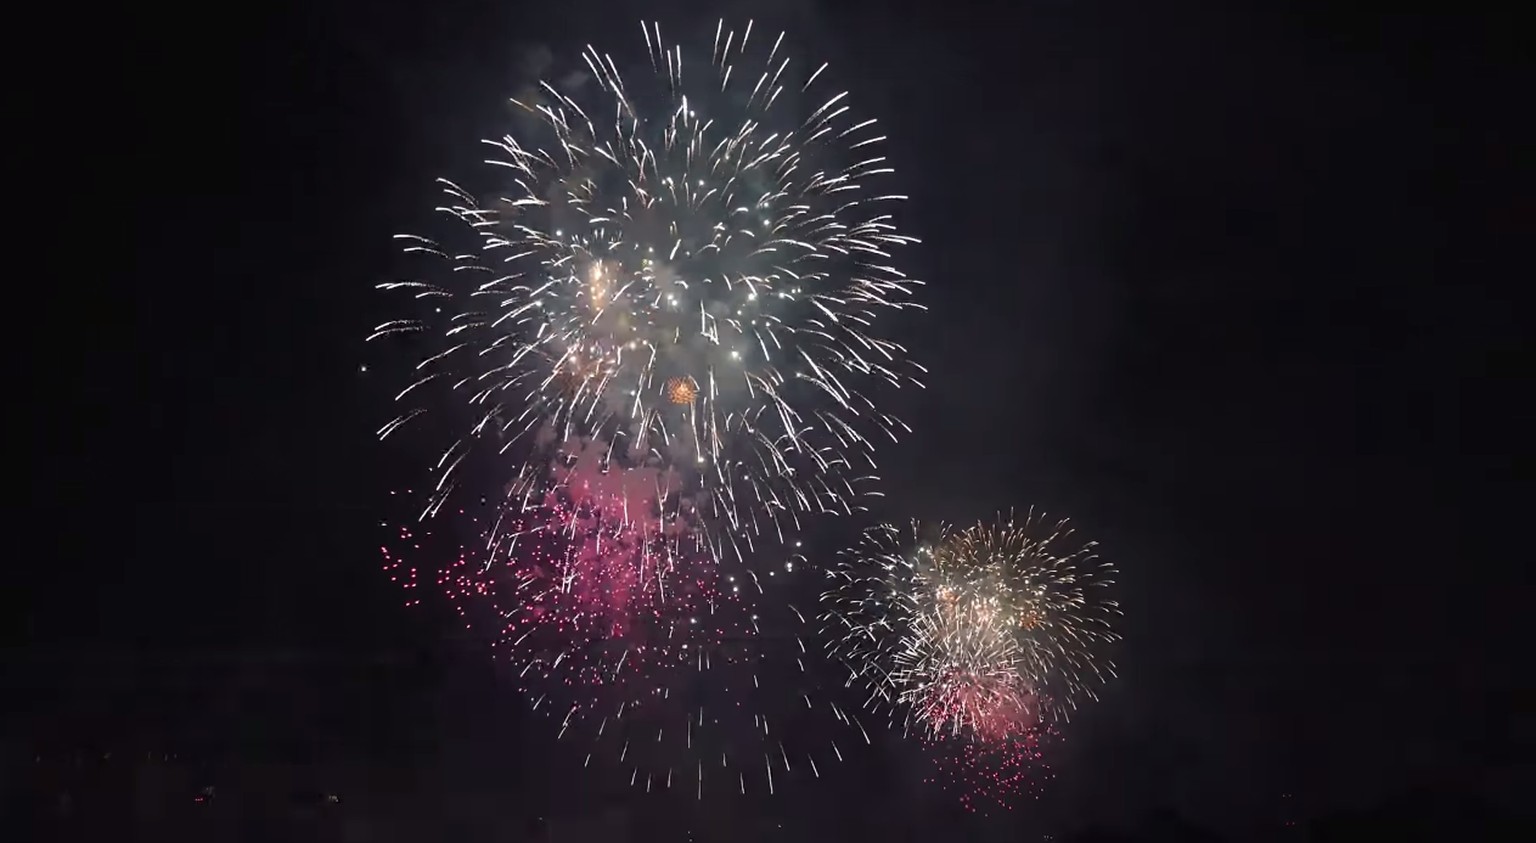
{"x":682,"y":390}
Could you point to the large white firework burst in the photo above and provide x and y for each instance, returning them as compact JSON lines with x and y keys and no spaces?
{"x":692,"y":263}
{"x":983,"y":632}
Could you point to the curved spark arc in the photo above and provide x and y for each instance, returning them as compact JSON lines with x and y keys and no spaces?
{"x":688,"y":269}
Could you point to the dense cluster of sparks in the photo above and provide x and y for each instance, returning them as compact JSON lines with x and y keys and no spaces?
{"x":690,"y":264}
{"x":986,"y":635}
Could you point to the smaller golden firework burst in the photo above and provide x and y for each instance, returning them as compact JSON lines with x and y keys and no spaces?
{"x":682,"y":390}
{"x":598,"y":292}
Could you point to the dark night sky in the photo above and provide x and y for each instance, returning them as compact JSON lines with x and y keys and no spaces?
{"x":1224,"y":287}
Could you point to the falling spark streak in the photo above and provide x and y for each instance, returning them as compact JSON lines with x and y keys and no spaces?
{"x":684,"y":228}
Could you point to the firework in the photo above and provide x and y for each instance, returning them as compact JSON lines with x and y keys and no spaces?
{"x":692,"y":263}
{"x":625,"y":631}
{"x":983,"y":636}
{"x":591,"y":578}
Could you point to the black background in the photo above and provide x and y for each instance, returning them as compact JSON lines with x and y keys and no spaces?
{"x":1230,"y":288}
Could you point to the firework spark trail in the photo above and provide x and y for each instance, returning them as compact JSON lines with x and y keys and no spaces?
{"x":685,"y":262}
{"x":631,"y":637}
{"x":985,"y":635}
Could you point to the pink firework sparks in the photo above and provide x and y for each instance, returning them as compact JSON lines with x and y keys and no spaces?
{"x":998,"y":773}
{"x":398,"y":562}
{"x":581,"y":578}
{"x":605,"y":578}
{"x":635,"y":643}
{"x":991,"y":752}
